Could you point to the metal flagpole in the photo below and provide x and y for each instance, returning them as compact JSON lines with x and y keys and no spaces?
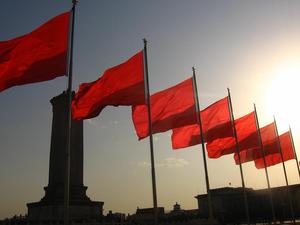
{"x":266,"y":170}
{"x":296,"y":158}
{"x":69,"y":93}
{"x":285,"y":175}
{"x":199,"y":121}
{"x":147,"y":90}
{"x":239,"y":158}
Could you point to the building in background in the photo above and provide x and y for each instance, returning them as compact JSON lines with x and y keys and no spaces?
{"x":228,"y":204}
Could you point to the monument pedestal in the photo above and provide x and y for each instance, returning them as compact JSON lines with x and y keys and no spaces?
{"x":39,"y":212}
{"x":51,"y":206}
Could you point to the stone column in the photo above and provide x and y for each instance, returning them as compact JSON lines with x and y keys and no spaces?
{"x":55,"y":189}
{"x":51,"y":205}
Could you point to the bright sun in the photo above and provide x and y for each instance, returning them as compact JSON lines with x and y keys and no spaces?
{"x":283,"y":95}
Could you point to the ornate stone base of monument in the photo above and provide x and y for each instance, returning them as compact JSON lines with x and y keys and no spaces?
{"x":51,"y":206}
{"x":38,"y":212}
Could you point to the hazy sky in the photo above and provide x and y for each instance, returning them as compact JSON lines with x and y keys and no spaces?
{"x":252,"y":47}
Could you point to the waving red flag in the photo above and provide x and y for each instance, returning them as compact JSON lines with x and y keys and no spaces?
{"x":119,"y":85}
{"x":247,"y":138}
{"x":37,"y":56}
{"x":268,"y":136}
{"x":186,"y":136}
{"x":273,"y":159}
{"x":170,"y":108}
{"x":215,"y":122}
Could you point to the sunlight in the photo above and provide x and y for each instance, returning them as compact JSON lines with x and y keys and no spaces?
{"x":283,"y":95}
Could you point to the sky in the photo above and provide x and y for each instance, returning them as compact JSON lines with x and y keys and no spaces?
{"x":251,"y":47}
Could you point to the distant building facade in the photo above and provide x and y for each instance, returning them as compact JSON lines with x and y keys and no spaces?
{"x":228,"y":204}
{"x":145,"y":215}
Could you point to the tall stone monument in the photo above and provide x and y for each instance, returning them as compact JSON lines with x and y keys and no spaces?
{"x":51,"y":206}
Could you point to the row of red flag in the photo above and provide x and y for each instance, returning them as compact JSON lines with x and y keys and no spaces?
{"x":174,"y":109}
{"x":42,"y":55}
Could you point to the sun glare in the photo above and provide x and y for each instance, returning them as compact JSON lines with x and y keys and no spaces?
{"x":283,"y":95}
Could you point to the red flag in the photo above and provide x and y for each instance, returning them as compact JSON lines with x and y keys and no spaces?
{"x":37,"y":56}
{"x":119,"y":85}
{"x":186,"y":136}
{"x":170,"y":108}
{"x":247,"y":138}
{"x":268,"y":135}
{"x":215,"y":122}
{"x":273,"y":159}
